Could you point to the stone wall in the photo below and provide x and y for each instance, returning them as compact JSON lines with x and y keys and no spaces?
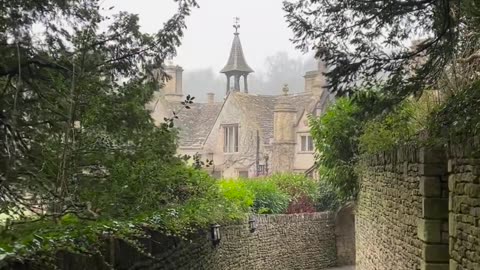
{"x":402,"y":211}
{"x":301,"y":241}
{"x":345,"y":235}
{"x":464,"y":205}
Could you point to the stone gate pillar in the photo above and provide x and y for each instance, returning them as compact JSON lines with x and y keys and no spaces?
{"x":432,"y":227}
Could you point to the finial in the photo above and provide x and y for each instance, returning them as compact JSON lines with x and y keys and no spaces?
{"x":236,"y":24}
{"x":285,"y":90}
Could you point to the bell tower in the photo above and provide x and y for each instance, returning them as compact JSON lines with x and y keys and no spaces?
{"x":237,"y":67}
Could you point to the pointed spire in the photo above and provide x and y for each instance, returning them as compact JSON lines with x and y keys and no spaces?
{"x":236,"y":61}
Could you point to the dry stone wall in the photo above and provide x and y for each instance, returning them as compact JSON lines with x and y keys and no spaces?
{"x":388,"y":208}
{"x":464,"y":205}
{"x":402,"y":211}
{"x":301,"y":241}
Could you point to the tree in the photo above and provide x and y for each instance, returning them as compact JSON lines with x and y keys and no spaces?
{"x":73,"y":101}
{"x":281,"y":69}
{"x":336,"y":146}
{"x":365,"y":43}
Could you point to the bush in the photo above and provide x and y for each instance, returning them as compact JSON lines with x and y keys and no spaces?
{"x":389,"y":130}
{"x":401,"y":125}
{"x":269,"y":198}
{"x":296,"y":185}
{"x":278,"y":194}
{"x":327,"y":200}
{"x":458,"y":117}
{"x":237,"y":193}
{"x":336,"y":141}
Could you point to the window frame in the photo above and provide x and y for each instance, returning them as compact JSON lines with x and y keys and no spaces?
{"x":306,"y":143}
{"x":231,"y":132}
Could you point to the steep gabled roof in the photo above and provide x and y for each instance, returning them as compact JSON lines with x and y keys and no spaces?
{"x":236,"y":61}
{"x":194,"y":124}
{"x":260,"y":109}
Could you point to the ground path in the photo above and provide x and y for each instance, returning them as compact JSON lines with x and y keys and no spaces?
{"x":343,"y":268}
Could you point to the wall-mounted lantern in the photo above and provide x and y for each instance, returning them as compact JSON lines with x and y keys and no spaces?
{"x":215,"y":231}
{"x":252,"y":224}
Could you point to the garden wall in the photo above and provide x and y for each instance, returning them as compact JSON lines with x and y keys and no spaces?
{"x":464,"y":205}
{"x":402,"y":211}
{"x":300,"y":241}
{"x":345,"y":235}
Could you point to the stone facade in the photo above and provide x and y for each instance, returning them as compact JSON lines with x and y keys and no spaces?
{"x":302,"y":241}
{"x":201,"y":127}
{"x":284,"y":121}
{"x":402,"y":211}
{"x":464,"y":205}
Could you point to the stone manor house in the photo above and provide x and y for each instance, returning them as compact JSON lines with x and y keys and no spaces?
{"x":246,"y":135}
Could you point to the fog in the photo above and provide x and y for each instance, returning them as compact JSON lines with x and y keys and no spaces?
{"x":280,"y":69}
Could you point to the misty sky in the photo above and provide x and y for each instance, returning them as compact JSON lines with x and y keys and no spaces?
{"x":209,"y":35}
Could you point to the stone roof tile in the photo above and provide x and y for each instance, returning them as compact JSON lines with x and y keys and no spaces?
{"x":260,"y":109}
{"x":194,"y":124}
{"x":236,"y":61}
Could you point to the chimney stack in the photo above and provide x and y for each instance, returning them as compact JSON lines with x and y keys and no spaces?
{"x":173,"y":87}
{"x":210,"y":98}
{"x":284,"y":119}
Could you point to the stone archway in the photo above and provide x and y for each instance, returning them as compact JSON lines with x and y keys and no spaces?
{"x":345,"y":235}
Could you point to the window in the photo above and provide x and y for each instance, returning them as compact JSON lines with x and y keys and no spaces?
{"x":306,"y":143}
{"x":230,"y":139}
{"x":243,"y":174}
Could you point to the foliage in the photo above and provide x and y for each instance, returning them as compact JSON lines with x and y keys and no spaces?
{"x":458,"y":117}
{"x":238,"y":193}
{"x":366,"y":43}
{"x":336,"y":142}
{"x":296,"y":185}
{"x":390,"y":130}
{"x":205,"y":205}
{"x":73,"y":121}
{"x":278,"y":194}
{"x":269,"y":198}
{"x":403,"y":124}
{"x":328,"y":199}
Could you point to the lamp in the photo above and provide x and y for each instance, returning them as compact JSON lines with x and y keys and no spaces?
{"x":215,"y":231}
{"x":252,"y":224}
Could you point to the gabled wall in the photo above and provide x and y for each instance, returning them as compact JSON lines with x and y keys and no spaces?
{"x":232,"y":163}
{"x":303,"y":160}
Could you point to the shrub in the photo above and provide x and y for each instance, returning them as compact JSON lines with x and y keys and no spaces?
{"x":327,"y":199}
{"x":336,"y":141}
{"x":269,"y":198}
{"x":296,"y":185}
{"x":237,"y":193}
{"x":458,"y":117}
{"x":389,"y":130}
{"x":302,"y":190}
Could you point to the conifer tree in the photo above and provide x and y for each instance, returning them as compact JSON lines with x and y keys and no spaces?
{"x":402,"y":45}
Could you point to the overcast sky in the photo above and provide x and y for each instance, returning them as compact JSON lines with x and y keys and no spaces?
{"x":209,"y":35}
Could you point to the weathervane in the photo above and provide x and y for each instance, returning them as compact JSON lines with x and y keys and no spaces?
{"x":236,"y":24}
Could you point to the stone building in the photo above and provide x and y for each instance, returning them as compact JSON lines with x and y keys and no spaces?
{"x":246,"y":135}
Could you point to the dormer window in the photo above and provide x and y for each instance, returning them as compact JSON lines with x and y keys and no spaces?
{"x":230,"y":138}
